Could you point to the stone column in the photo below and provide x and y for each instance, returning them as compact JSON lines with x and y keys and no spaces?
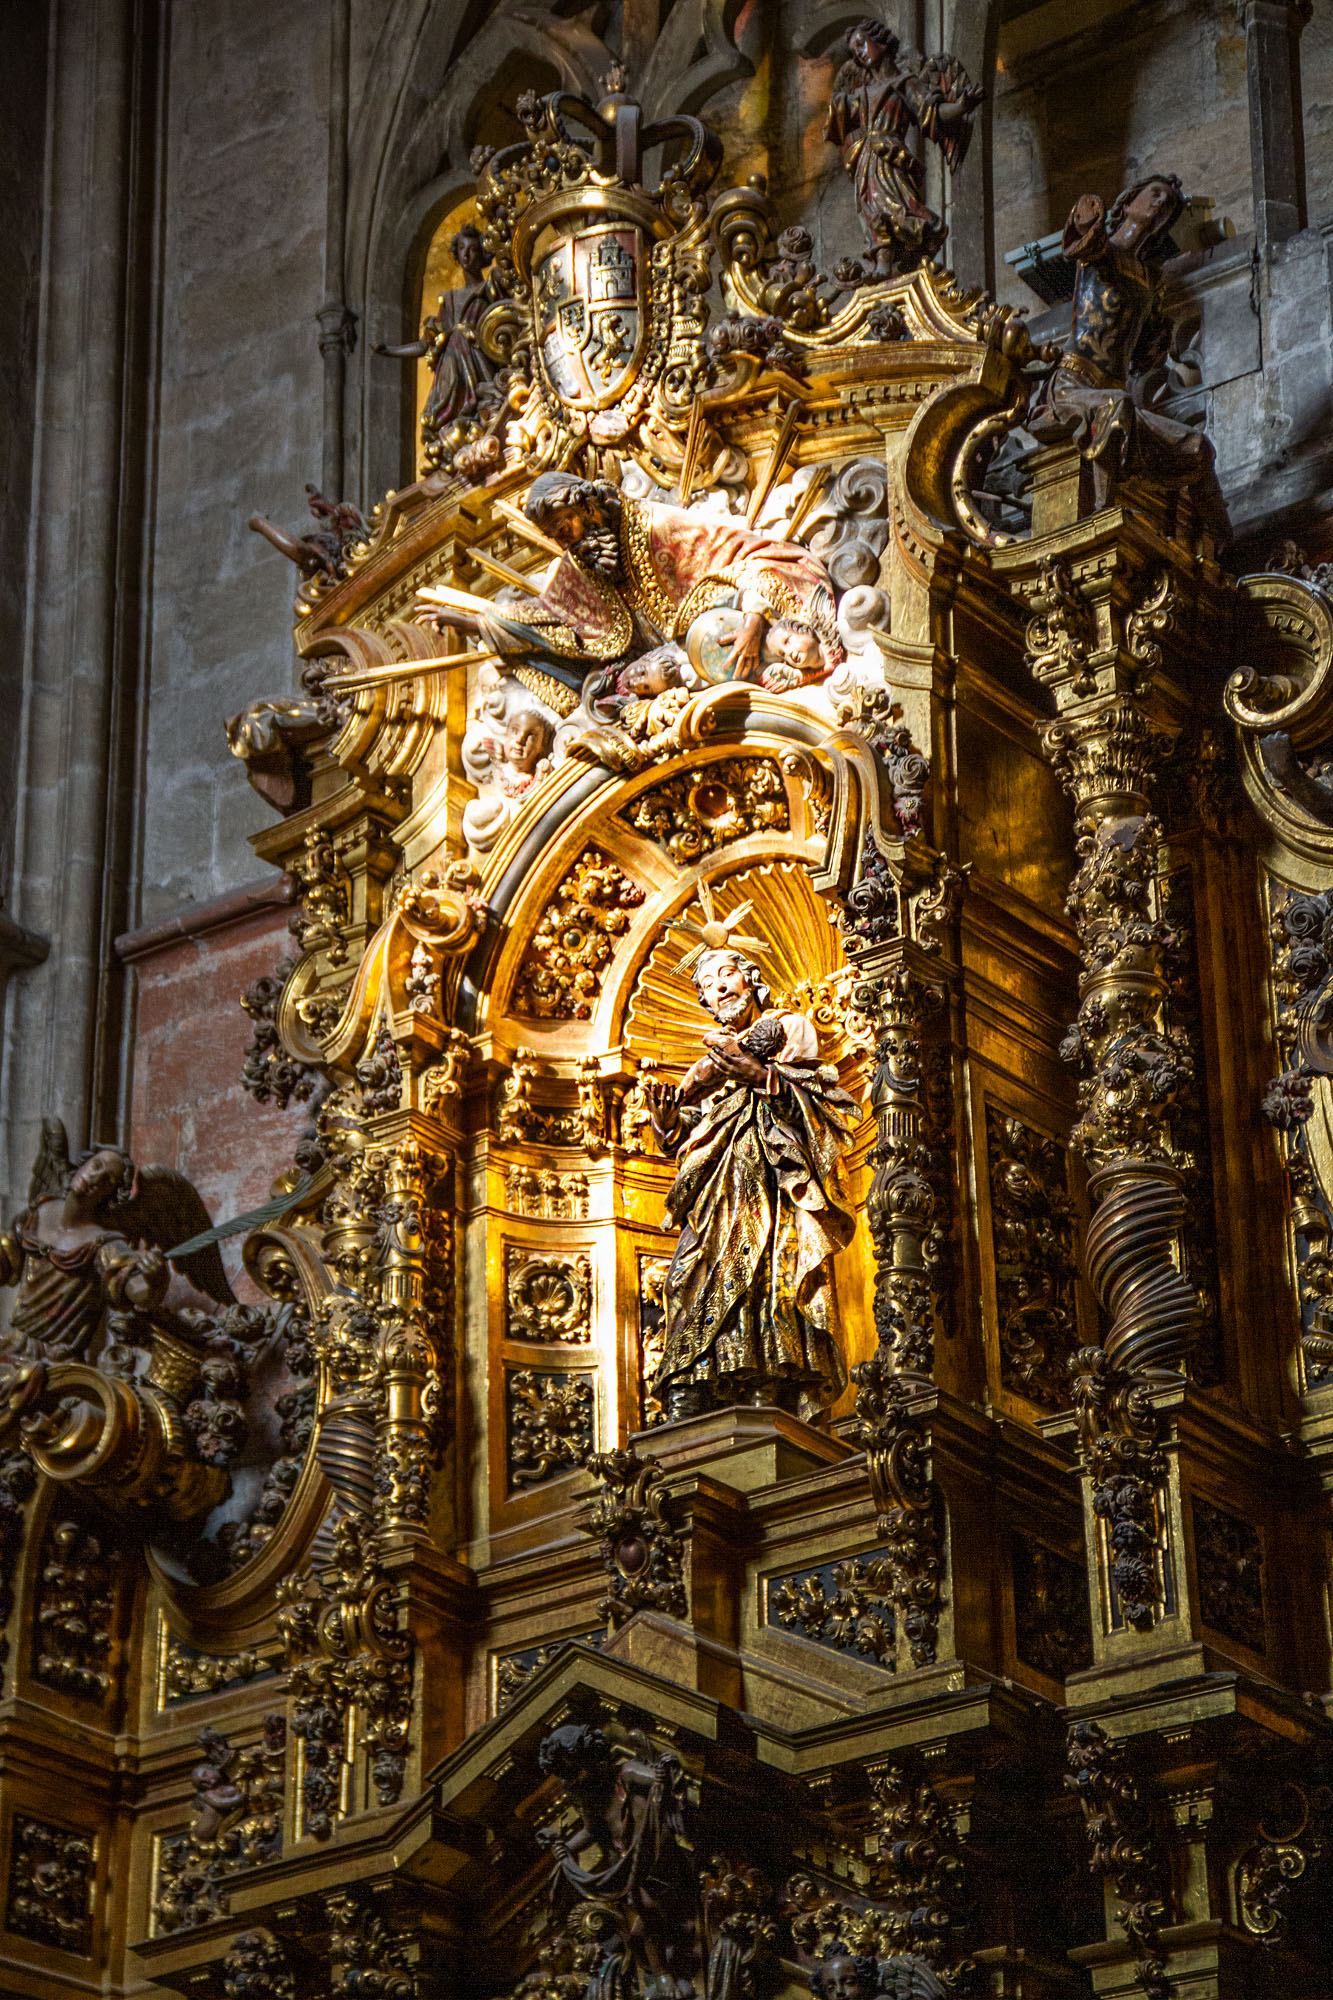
{"x":1277,"y":142}
{"x":337,"y":323}
{"x":76,"y":768}
{"x":970,"y":30}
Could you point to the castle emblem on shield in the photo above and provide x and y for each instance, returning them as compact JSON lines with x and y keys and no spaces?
{"x":591,"y":297}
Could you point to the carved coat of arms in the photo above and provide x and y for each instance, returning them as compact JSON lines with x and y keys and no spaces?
{"x":602,"y":264}
{"x":590,"y":303}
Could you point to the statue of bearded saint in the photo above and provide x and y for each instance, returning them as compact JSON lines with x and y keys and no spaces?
{"x":758,"y":1126}
{"x":636,"y":573}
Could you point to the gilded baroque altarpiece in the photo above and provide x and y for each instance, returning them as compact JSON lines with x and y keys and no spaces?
{"x":777,"y":1438}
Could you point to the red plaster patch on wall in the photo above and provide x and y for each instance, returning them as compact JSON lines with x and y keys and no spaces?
{"x":189,"y":1110}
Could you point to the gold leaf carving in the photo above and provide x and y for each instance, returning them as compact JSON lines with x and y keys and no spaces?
{"x":572,"y":947}
{"x":699,"y":810}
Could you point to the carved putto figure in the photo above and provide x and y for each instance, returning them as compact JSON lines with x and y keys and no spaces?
{"x":759,"y":1126}
{"x":463,"y":388}
{"x":627,"y":1860}
{"x":1118,"y":331}
{"x":637,"y":573}
{"x":879,"y":95}
{"x":322,"y":551}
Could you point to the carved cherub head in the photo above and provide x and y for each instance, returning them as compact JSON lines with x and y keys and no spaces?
{"x":510,"y":739}
{"x":844,"y":1976}
{"x":651,"y":675}
{"x":527,"y":739}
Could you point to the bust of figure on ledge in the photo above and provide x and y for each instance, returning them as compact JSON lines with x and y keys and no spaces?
{"x":758,"y":1126}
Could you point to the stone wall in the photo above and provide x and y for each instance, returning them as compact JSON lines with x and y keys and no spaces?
{"x":22,"y":122}
{"x":189,"y":1110}
{"x":239,"y":417}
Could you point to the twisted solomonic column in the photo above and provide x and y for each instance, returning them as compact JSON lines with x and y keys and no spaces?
{"x":1100,"y":656}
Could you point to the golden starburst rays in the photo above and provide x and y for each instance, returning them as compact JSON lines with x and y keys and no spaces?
{"x":716,"y":933}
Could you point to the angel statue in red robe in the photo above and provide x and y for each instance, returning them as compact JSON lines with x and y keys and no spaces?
{"x":879,"y":95}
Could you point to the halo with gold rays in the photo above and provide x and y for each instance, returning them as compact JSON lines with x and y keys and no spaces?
{"x":799,"y":947}
{"x":716,"y":933}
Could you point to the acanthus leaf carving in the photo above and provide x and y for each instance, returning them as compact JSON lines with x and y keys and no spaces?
{"x":633,"y":1519}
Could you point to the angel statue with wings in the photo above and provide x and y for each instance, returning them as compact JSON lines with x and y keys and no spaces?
{"x":92,"y":1240}
{"x":759,"y":1126}
{"x":879,"y":95}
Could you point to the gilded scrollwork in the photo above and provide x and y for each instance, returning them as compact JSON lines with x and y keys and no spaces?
{"x":1229,"y":1562}
{"x":1033,"y":1234}
{"x":443,"y":1084}
{"x":236,"y":1825}
{"x":188,"y":1673}
{"x":271,"y":1074}
{"x":74,"y":1610}
{"x":368,"y":1954}
{"x":546,"y":1194}
{"x":1052,"y":1619}
{"x":1293,"y":1834}
{"x":845,"y":1605}
{"x":319,"y":924}
{"x":569,"y":954}
{"x":548,"y":1298}
{"x":691,"y":815}
{"x":51,"y":1884}
{"x":901,"y":1931}
{"x":1124,"y":1846}
{"x":633,"y":1519}
{"x":514,"y":1670}
{"x":550,"y":1424}
{"x":256,"y":1968}
{"x":544,"y":1206}
{"x":346,"y":1652}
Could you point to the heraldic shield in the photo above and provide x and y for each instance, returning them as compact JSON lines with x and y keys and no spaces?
{"x":590,"y":298}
